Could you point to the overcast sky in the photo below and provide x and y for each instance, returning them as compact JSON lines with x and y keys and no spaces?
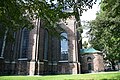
{"x":88,"y":16}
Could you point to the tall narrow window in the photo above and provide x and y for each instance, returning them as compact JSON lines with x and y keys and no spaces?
{"x":46,"y":45}
{"x":25,"y":41}
{"x":64,"y":47}
{"x":1,"y":44}
{"x":89,"y":60}
{"x":89,"y":66}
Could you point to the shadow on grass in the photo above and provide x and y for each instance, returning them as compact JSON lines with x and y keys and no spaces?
{"x":113,"y":78}
{"x":117,"y":77}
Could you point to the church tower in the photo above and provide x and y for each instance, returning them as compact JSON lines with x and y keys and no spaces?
{"x":71,"y":64}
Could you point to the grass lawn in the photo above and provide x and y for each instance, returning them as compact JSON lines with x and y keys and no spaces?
{"x":92,"y":76}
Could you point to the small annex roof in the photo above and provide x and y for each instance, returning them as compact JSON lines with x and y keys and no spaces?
{"x":89,"y":50}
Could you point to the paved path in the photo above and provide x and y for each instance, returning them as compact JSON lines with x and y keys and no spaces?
{"x":104,"y":72}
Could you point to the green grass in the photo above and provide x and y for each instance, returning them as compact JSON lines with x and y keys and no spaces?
{"x":97,"y":76}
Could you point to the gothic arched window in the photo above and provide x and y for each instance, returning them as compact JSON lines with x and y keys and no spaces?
{"x":64,"y":47}
{"x":89,"y":60}
{"x":45,"y":44}
{"x":1,"y":45}
{"x":24,"y":43}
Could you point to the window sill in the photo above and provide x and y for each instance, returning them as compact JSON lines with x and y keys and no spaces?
{"x":63,"y":61}
{"x":23,"y":59}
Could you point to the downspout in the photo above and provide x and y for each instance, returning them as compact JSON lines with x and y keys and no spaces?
{"x":36,"y":47}
{"x":78,"y":24}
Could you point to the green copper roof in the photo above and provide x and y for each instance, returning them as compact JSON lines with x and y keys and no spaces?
{"x":89,"y":50}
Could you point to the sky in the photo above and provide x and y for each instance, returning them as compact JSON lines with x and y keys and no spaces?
{"x":88,"y":16}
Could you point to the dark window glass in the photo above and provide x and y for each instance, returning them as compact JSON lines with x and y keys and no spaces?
{"x":25,"y":41}
{"x":46,"y":45}
{"x":64,"y":47}
{"x":1,"y":44}
{"x":89,"y":66}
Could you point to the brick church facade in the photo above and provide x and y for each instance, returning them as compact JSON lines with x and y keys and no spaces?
{"x":36,"y":52}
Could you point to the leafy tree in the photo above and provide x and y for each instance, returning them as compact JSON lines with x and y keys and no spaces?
{"x":85,"y":44}
{"x":15,"y":14}
{"x":105,"y":30}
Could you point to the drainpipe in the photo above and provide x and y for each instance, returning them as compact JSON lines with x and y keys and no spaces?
{"x":78,"y":24}
{"x":36,"y":47}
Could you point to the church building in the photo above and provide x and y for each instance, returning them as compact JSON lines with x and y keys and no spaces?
{"x":37,"y":52}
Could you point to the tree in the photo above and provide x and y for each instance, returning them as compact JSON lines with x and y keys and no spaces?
{"x":85,"y":44}
{"x":16,"y":14}
{"x":105,"y":30}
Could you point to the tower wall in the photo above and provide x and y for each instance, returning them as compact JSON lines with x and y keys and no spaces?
{"x":72,"y":66}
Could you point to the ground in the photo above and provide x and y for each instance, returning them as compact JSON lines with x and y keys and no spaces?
{"x":90,"y":76}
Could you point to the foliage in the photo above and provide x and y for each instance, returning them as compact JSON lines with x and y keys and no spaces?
{"x":105,"y":30}
{"x":85,"y":44}
{"x":16,"y":14}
